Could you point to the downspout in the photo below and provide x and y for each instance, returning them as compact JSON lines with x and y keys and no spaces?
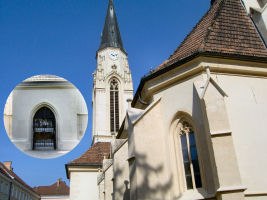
{"x":10,"y":190}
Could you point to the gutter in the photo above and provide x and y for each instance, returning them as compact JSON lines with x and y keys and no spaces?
{"x":99,"y":165}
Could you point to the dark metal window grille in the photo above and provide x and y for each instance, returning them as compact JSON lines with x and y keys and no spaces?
{"x":114,"y":106}
{"x":190,"y":157}
{"x":44,"y":130}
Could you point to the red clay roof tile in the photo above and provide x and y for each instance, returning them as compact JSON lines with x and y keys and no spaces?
{"x":227,"y":29}
{"x":58,"y":188}
{"x":94,"y":155}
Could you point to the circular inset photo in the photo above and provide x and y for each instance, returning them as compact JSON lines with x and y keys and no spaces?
{"x":45,"y":116}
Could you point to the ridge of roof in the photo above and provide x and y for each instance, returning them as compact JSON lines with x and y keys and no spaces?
{"x":57,"y":188}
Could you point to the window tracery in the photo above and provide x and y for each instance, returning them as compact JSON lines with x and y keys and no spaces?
{"x":189,"y":155}
{"x":114,"y":105}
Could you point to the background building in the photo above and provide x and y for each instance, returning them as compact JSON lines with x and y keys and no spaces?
{"x":84,"y":170}
{"x":57,"y":191}
{"x":12,"y":187}
{"x":45,"y":113}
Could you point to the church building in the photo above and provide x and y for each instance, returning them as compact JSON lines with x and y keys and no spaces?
{"x":195,"y":128}
{"x":112,"y":89}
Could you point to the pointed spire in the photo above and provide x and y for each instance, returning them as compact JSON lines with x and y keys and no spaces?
{"x":111,"y":34}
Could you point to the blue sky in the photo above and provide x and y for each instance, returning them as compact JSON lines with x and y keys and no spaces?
{"x":61,"y":37}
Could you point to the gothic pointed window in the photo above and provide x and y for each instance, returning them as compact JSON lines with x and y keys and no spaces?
{"x":114,"y":106}
{"x":189,"y":156}
{"x":44,"y":129}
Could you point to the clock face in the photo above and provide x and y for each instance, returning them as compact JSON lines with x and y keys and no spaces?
{"x":113,"y":55}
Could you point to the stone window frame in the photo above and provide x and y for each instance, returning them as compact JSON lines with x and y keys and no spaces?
{"x":176,"y":151}
{"x":116,"y":119}
{"x":185,"y":129}
{"x":54,"y":128}
{"x":52,"y":108}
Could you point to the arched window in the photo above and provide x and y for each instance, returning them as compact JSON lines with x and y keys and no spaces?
{"x":114,"y":106}
{"x":190,"y":156}
{"x":44,"y":130}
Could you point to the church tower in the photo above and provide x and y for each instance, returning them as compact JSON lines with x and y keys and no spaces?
{"x":112,"y":81}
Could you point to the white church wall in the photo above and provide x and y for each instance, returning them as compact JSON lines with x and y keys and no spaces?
{"x":251,"y":3}
{"x":258,"y":12}
{"x":83,"y":185}
{"x":101,"y":190}
{"x":246,"y":104}
{"x":121,"y":172}
{"x":54,"y":197}
{"x":8,"y":115}
{"x":247,"y":108}
{"x":61,"y":97}
{"x":100,"y":113}
{"x":63,"y":103}
{"x":185,"y":101}
{"x":109,"y":67}
{"x":108,"y":182}
{"x":153,"y":177}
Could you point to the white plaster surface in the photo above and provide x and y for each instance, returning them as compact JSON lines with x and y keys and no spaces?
{"x":83,"y":186}
{"x":108,"y":68}
{"x":65,"y":101}
{"x":55,"y":197}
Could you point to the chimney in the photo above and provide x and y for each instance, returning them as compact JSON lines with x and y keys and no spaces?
{"x":8,"y":165}
{"x":212,"y":2}
{"x":58,"y":182}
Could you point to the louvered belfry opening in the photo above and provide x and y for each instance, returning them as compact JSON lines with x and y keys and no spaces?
{"x":114,"y":106}
{"x":44,"y":130}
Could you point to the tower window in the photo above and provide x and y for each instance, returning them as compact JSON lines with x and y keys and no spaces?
{"x":190,"y":157}
{"x":114,"y":106}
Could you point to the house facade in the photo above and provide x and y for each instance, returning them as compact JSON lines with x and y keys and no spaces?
{"x":56,"y":191}
{"x":12,"y":187}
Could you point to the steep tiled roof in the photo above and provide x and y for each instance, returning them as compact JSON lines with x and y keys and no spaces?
{"x":94,"y":155}
{"x":57,"y":188}
{"x":10,"y":174}
{"x":225,"y":29}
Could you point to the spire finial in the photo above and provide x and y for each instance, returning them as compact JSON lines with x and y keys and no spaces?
{"x":111,"y":34}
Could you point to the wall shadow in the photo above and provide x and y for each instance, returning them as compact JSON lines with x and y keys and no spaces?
{"x":151,"y":188}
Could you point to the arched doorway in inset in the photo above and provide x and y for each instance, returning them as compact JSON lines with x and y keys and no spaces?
{"x":44,"y":129}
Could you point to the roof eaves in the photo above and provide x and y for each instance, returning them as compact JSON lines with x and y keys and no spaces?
{"x":177,"y":63}
{"x":156,"y":73}
{"x":99,"y":165}
{"x":84,"y":164}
